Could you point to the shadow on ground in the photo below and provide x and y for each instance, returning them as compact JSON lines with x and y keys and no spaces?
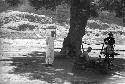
{"x":32,"y":66}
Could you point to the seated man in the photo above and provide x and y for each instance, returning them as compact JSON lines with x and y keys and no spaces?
{"x":85,"y":55}
{"x":86,"y":60}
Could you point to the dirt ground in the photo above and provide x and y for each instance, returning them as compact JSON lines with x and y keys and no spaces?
{"x":22,"y":64}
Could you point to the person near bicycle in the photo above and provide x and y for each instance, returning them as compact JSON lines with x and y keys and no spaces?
{"x":109,"y":42}
{"x":109,"y":49}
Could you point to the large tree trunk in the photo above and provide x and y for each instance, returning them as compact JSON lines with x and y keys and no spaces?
{"x":78,"y":21}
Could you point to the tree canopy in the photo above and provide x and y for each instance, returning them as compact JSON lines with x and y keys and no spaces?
{"x":117,"y":6}
{"x":13,"y":2}
{"x":48,"y":4}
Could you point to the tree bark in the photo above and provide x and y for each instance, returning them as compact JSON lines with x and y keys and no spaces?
{"x":78,"y":21}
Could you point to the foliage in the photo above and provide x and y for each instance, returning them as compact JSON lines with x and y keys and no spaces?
{"x":13,"y":2}
{"x":48,"y":4}
{"x":24,"y":27}
{"x":117,"y":6}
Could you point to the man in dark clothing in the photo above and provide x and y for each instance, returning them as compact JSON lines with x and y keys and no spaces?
{"x":109,"y":40}
{"x":109,"y":49}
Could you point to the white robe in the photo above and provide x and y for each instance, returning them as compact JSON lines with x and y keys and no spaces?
{"x":50,"y":50}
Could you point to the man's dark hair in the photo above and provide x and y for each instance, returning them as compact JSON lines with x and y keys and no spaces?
{"x":110,"y":34}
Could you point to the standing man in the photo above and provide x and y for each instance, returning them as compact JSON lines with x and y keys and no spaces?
{"x":50,"y":49}
{"x":109,"y":41}
{"x":109,"y":49}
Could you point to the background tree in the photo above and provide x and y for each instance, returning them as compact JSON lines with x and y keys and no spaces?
{"x":13,"y":2}
{"x":80,"y":12}
{"x":117,"y":6}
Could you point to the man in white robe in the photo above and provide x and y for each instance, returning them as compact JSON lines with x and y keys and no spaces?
{"x":50,"y":49}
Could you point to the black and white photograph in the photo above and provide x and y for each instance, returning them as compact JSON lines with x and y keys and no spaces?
{"x":62,"y":41}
